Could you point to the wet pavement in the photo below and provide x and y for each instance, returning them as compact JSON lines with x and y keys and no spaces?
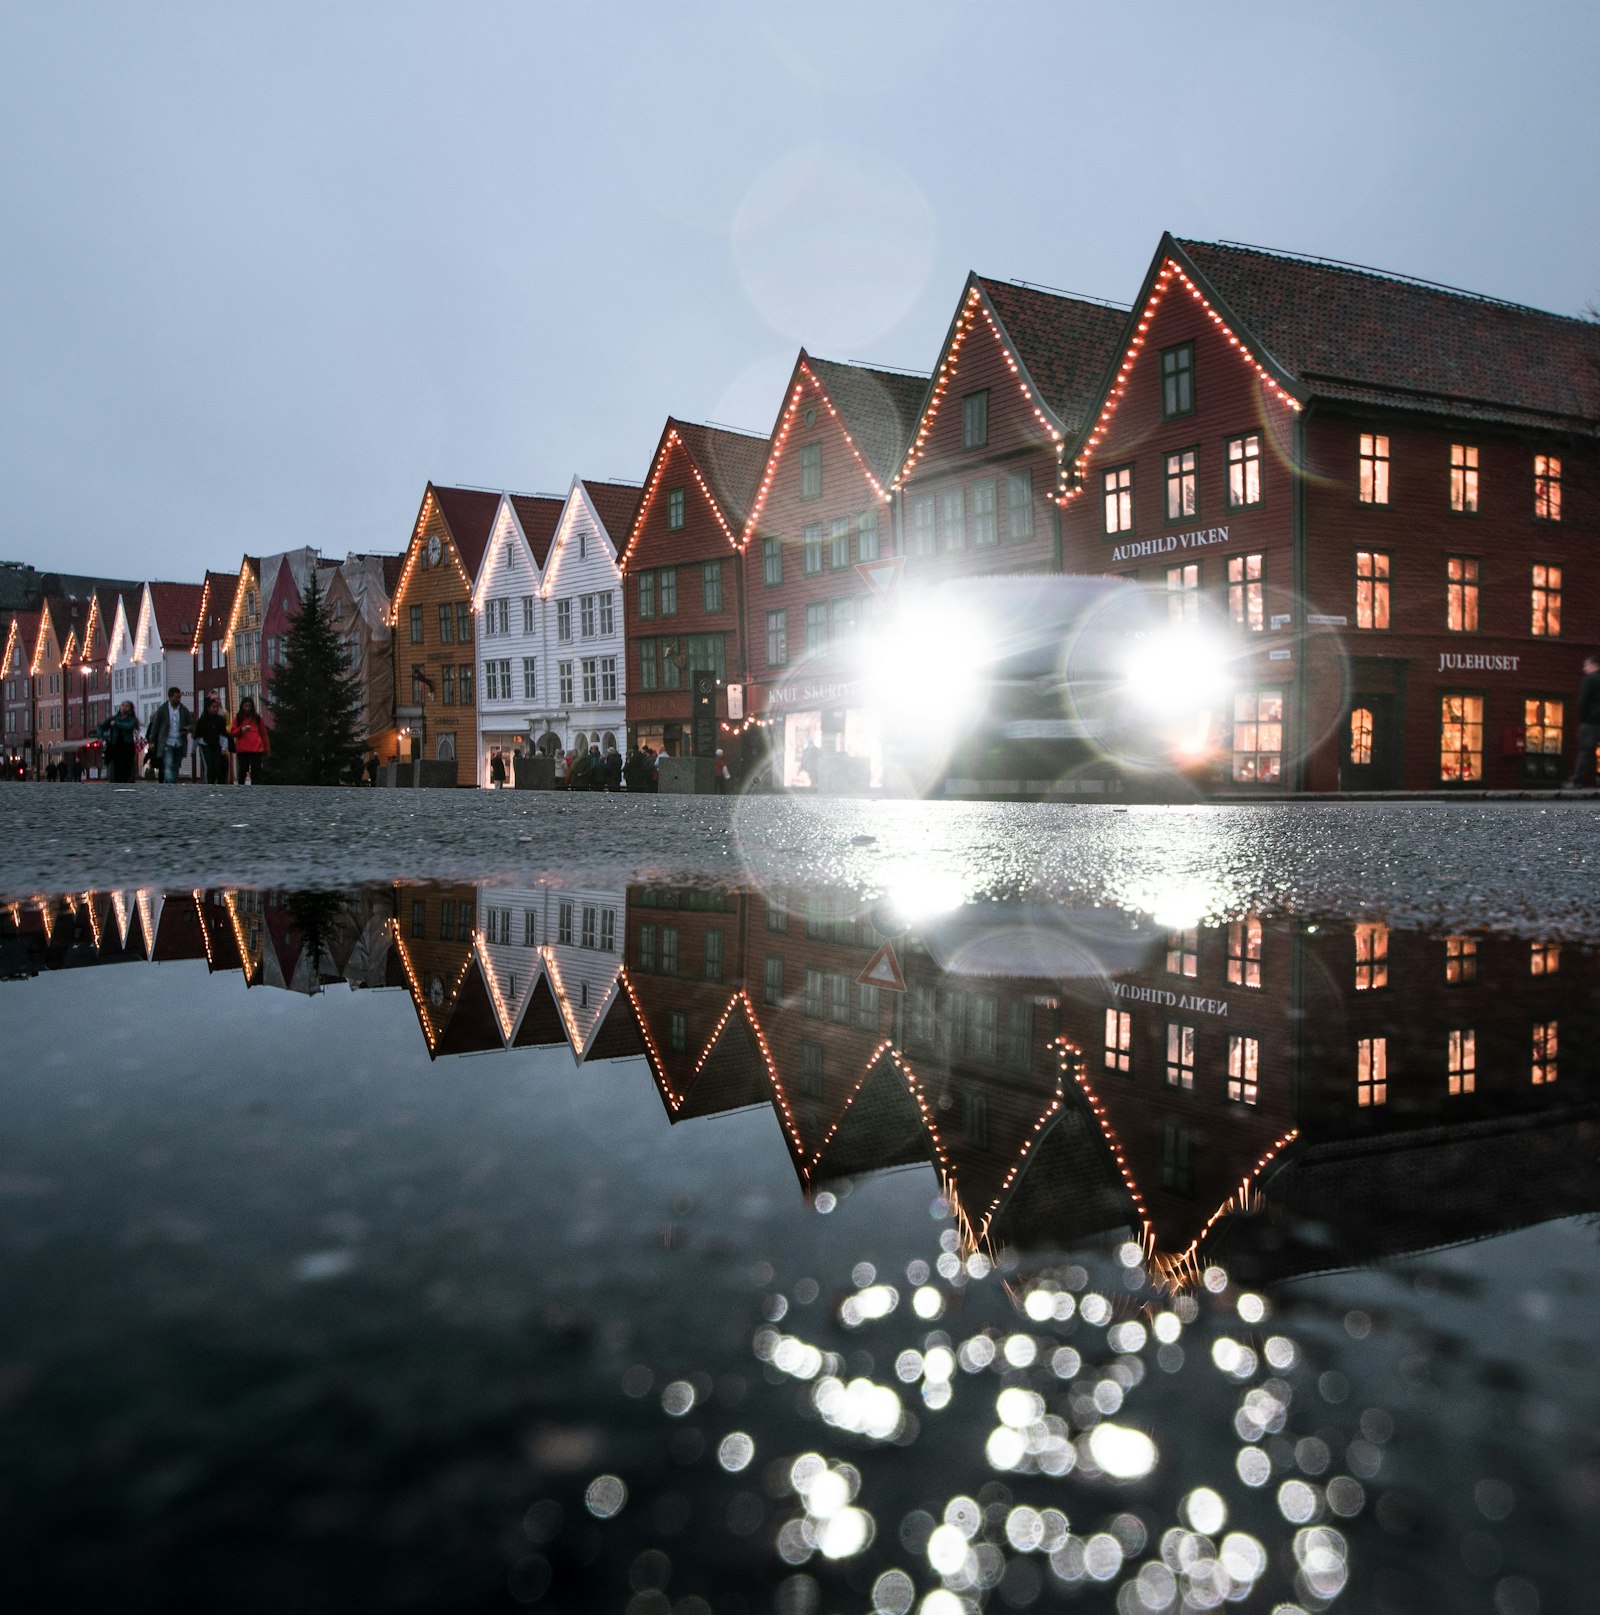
{"x":578,"y":1243}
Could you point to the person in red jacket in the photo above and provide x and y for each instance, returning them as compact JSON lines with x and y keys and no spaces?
{"x":249,"y":736}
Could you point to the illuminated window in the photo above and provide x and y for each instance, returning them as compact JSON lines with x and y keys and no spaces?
{"x":1543,"y":727}
{"x":975,"y":420}
{"x":867,"y":536}
{"x":1180,"y":1056}
{"x":1183,"y":493}
{"x":1119,"y":1040}
{"x":810,"y":470}
{"x":675,"y":510}
{"x":1177,"y":381}
{"x":1183,"y":592}
{"x":1374,"y":462}
{"x":771,"y":561}
{"x":1118,"y":486}
{"x":1547,"y":487}
{"x":1461,"y":739}
{"x":983,"y":513}
{"x":1372,"y":1071}
{"x":1460,"y":960}
{"x":1258,"y":736}
{"x":1372,"y":589}
{"x":1544,"y":958}
{"x":1246,"y":597}
{"x":839,"y":541}
{"x":772,"y":983}
{"x":710,"y":585}
{"x":1183,"y":952}
{"x":1372,"y":956}
{"x":1462,"y":1060}
{"x":1461,"y":594}
{"x":1464,"y":478}
{"x":1361,"y":737}
{"x":1547,"y":601}
{"x":777,"y":638}
{"x":1244,"y":952}
{"x":1244,"y":1068}
{"x":1177,"y":1157}
{"x":922,"y":525}
{"x":1244,"y":471}
{"x":1545,"y":1049}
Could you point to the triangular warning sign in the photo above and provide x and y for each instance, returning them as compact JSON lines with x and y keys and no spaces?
{"x":883,"y":970}
{"x":882,"y":577}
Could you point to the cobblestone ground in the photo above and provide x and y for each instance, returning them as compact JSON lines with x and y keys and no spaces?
{"x":1527,"y":867}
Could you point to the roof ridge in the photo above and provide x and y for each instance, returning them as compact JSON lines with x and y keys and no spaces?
{"x":722,"y":426}
{"x":1053,"y":291}
{"x":1397,"y":277}
{"x":861,"y":364}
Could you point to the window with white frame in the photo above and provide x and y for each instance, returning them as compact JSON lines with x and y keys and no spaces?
{"x":1258,"y":736}
{"x":981,"y":494}
{"x":1244,"y":471}
{"x":586,"y":616}
{"x":1119,"y":1041}
{"x":530,"y":679}
{"x":527,"y":613}
{"x":591,"y":680}
{"x":606,"y":602}
{"x":1247,"y":592}
{"x":608,"y":678}
{"x":811,"y":540}
{"x":838,"y":542}
{"x":564,"y":620}
{"x":564,"y":683}
{"x":1183,"y":484}
{"x":1118,"y":490}
{"x":953,"y":518}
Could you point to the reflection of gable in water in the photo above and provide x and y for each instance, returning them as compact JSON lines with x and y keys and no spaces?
{"x":1344,"y":1204}
{"x":879,"y":1129}
{"x":1067,"y":1192}
{"x":541,"y":1023}
{"x":734,"y":1077}
{"x":473,"y":1025}
{"x":617,"y":1037}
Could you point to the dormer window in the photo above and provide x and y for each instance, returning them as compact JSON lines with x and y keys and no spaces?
{"x":1177,"y":381}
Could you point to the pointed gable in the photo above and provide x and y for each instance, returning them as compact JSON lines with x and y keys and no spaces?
{"x":473,"y":1026}
{"x":216,"y":606}
{"x":177,"y":611}
{"x":726,"y":466}
{"x":616,"y":504}
{"x":617,"y":1036}
{"x":469,"y":514}
{"x":538,"y":515}
{"x":542,"y":1025}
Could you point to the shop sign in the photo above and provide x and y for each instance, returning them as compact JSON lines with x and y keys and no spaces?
{"x":1328,"y":622}
{"x":815,"y":693}
{"x":1199,"y":538}
{"x":1170,"y":1000}
{"x":1459,"y":662}
{"x":735,"y":703}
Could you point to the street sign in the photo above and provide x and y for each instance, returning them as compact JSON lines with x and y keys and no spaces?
{"x":882,"y":577}
{"x":883,"y":970}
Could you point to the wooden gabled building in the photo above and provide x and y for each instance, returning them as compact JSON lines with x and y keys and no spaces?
{"x":210,"y":635}
{"x":682,"y":591}
{"x":21,"y":629}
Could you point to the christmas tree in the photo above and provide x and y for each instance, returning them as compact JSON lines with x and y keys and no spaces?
{"x":316,"y":702}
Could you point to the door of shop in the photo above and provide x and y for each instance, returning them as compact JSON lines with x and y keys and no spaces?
{"x":1373,"y":750}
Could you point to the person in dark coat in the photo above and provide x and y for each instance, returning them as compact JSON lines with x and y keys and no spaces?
{"x":611,"y":769}
{"x":211,"y":739}
{"x":120,"y":736}
{"x":168,"y":733}
{"x":1583,"y":767}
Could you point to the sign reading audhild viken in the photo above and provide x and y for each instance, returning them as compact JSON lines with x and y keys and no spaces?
{"x":1199,"y":538}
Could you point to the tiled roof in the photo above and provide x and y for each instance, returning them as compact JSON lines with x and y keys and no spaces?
{"x":224,"y":585}
{"x":879,"y":408}
{"x":1066,"y":342}
{"x":470,"y":513}
{"x":731,"y":462}
{"x":615,"y":503}
{"x":177,"y":606}
{"x":1350,"y":333}
{"x":393,"y":568}
{"x":540,"y":515}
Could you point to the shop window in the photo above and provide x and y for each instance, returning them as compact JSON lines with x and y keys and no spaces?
{"x":811,"y":544}
{"x":1546,"y":601}
{"x":983,"y":513}
{"x":1118,"y":487}
{"x":711,"y":585}
{"x":1119,"y":1040}
{"x":810,"y":470}
{"x":675,"y":510}
{"x":1183,"y":952}
{"x":1183,"y":592}
{"x":1361,"y":737}
{"x":867,"y":536}
{"x":1183,"y":493}
{"x":1464,"y":478}
{"x":1180,"y":1056}
{"x":1244,"y":952}
{"x":1177,"y":381}
{"x":1545,"y":1050}
{"x":1543,"y":737}
{"x":771,"y":561}
{"x":1460,"y":960}
{"x":1244,"y":471}
{"x":839,"y":542}
{"x":1244,"y":1068}
{"x":1247,"y":592}
{"x":1461,"y":594}
{"x":1547,"y":487}
{"x":1462,"y":1061}
{"x":777,"y":638}
{"x":1372,"y":589}
{"x":1461,"y":739}
{"x":975,"y":420}
{"x":1019,"y":504}
{"x":1372,"y":1071}
{"x":1372,"y":956}
{"x":1258,"y":736}
{"x":1374,"y":466}
{"x":1544,"y":958}
{"x":922,"y":525}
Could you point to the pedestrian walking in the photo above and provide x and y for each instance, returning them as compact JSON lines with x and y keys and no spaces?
{"x":168,"y":734}
{"x":119,"y":734}
{"x":211,"y":737}
{"x":249,"y":736}
{"x":1583,"y":765}
{"x":497,"y":769}
{"x":720,"y":773}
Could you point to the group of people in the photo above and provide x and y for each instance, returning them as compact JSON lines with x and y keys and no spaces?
{"x":594,"y":770}
{"x":163,"y":744}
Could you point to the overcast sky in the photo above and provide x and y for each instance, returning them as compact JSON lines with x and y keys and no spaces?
{"x":268,"y":268}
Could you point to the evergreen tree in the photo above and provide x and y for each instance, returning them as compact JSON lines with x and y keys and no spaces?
{"x":316,"y":701}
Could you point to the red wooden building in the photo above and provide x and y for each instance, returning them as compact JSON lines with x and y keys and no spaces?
{"x":682,"y":590}
{"x":210,"y":635}
{"x":818,"y":550}
{"x":1381,"y":489}
{"x":21,"y":630}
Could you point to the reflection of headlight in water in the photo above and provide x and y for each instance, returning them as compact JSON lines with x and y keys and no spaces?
{"x":925,"y":664}
{"x":1177,"y":672}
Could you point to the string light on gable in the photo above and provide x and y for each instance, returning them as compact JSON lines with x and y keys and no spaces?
{"x":663,"y":456}
{"x":657,"y":1064}
{"x":1170,"y":272}
{"x":1073,"y":1064}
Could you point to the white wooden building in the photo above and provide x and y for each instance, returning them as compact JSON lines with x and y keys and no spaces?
{"x":152,"y":651}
